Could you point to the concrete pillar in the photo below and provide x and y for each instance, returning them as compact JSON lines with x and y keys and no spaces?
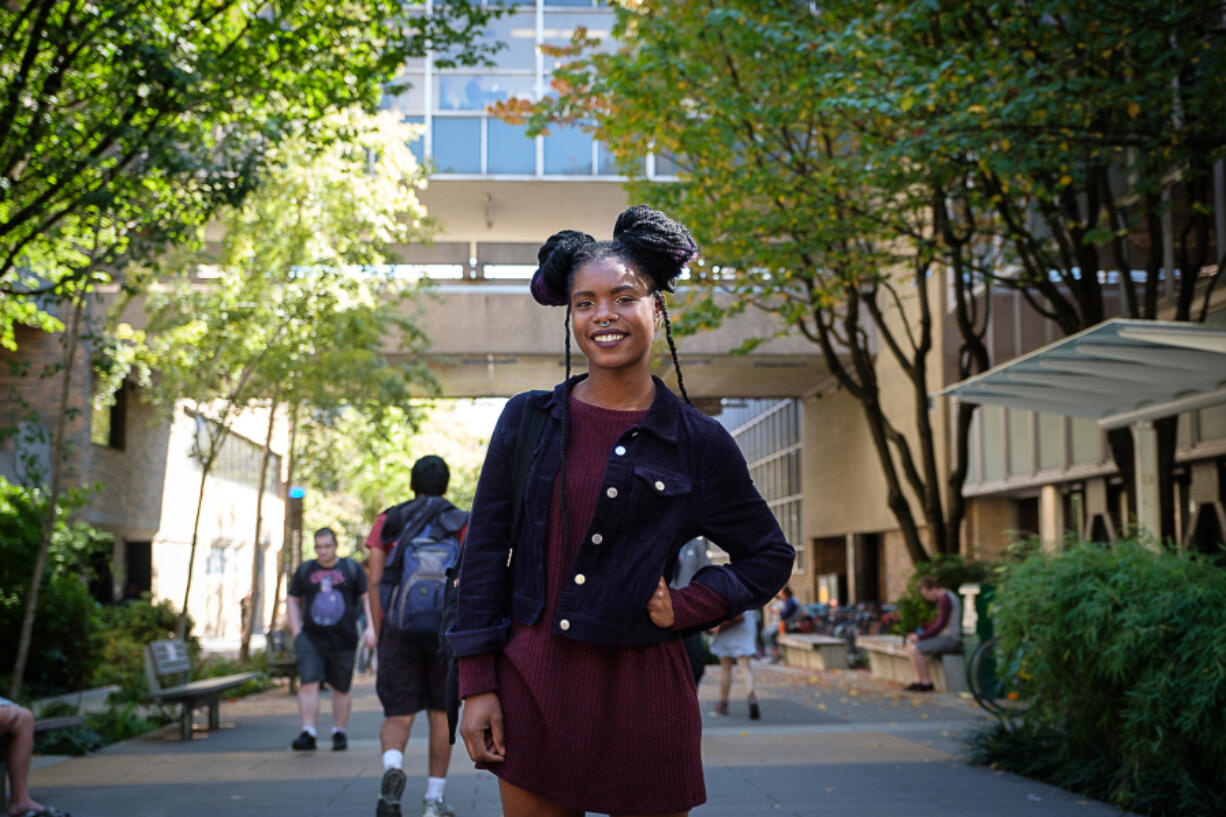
{"x":852,"y":565}
{"x":1149,"y":508}
{"x":1051,"y":518}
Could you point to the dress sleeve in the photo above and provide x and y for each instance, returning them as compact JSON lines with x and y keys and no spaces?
{"x":733,"y":515}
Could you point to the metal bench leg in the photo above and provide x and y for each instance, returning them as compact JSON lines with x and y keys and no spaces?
{"x":185,"y":722}
{"x":214,"y":714}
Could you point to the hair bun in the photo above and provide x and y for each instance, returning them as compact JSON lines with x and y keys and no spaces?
{"x":662,"y":246}
{"x":556,"y":258}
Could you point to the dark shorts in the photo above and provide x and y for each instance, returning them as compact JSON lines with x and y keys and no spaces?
{"x":315,"y":665}
{"x":938,"y":644}
{"x":410,"y":677}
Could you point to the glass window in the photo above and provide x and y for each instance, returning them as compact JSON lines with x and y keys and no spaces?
{"x":1085,"y":441}
{"x":666,"y":166}
{"x":473,"y":92}
{"x":973,"y":448}
{"x":1051,"y":441}
{"x":1021,"y":455}
{"x":606,"y":161}
{"x":560,"y":28}
{"x":517,"y":32}
{"x":510,"y":149}
{"x":568,"y":152}
{"x":418,"y":143}
{"x":457,"y":144}
{"x":1212,"y":422}
{"x":411,"y":100}
{"x":993,"y":442}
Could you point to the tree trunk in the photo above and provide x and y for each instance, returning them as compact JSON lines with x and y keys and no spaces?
{"x":286,"y":552}
{"x":256,"y":591}
{"x":191,"y":556}
{"x":57,"y":453}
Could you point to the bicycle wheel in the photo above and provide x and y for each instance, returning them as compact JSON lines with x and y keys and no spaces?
{"x":995,"y":680}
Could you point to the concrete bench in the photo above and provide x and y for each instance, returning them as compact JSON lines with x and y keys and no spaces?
{"x":888,"y":658}
{"x":813,"y":651}
{"x":170,"y":659}
{"x":40,"y":725}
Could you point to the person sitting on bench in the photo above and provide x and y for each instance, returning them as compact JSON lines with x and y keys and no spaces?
{"x":941,"y":635}
{"x":17,"y":724}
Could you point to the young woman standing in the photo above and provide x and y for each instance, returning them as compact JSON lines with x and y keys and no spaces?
{"x":578,"y":694}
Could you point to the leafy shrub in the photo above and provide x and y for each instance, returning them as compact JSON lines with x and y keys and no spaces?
{"x":951,"y":571}
{"x":1123,"y":652}
{"x":215,"y":666}
{"x":61,"y":653}
{"x":120,"y":638}
{"x":100,"y":729}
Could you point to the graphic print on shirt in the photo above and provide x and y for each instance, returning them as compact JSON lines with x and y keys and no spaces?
{"x":328,"y":606}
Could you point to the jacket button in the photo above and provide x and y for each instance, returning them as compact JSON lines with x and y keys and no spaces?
{"x":597,"y":538}
{"x":659,"y":485}
{"x":564,"y":624}
{"x":612,"y":492}
{"x":620,"y":451}
{"x":580,"y":578}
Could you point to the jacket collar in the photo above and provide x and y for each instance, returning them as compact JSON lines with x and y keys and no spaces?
{"x":662,"y":417}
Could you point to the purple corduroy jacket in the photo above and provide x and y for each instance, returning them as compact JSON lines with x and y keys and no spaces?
{"x":676,"y":475}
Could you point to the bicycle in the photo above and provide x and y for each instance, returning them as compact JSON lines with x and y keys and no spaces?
{"x":996,"y":680}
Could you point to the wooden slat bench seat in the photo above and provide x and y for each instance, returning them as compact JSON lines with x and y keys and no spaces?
{"x":170,"y":659}
{"x":813,"y":651}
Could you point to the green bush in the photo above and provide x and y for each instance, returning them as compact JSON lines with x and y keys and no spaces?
{"x":120,"y":637}
{"x":61,"y":653}
{"x":1123,"y":653}
{"x":951,"y":571}
{"x":100,"y":729}
{"x":215,"y":666}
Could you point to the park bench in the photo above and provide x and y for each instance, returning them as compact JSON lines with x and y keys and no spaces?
{"x":170,"y":659}
{"x":40,"y":725}
{"x":888,"y":658}
{"x":282,"y":663}
{"x":813,"y":651}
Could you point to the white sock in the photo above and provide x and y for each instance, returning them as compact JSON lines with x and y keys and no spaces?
{"x":336,"y":729}
{"x":310,"y":730}
{"x":434,"y":787}
{"x":393,"y":759}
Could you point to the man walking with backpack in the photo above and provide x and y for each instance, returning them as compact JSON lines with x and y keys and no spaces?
{"x":411,"y":546}
{"x":325,"y":597}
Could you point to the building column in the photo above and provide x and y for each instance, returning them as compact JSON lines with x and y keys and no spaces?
{"x":1051,"y":519}
{"x":1149,"y":508}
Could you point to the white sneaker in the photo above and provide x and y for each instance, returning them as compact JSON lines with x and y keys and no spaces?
{"x":436,"y":808}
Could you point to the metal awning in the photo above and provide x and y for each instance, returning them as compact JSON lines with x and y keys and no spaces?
{"x":1120,"y":373}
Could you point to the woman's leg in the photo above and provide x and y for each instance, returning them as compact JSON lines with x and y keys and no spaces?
{"x":725,"y":685}
{"x":746,"y":673}
{"x":517,"y":802}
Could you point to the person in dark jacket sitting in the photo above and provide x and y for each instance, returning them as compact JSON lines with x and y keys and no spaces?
{"x":577,"y":692}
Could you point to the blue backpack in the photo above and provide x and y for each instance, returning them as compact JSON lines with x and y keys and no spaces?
{"x":428,"y":543}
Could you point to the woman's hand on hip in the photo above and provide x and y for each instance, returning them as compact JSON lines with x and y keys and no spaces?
{"x":481,"y":728}
{"x":660,"y":607}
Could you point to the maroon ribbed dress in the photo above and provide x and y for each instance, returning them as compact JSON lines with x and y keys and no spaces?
{"x":596,"y":728}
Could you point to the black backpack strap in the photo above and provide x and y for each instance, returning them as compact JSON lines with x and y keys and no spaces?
{"x":432,"y":507}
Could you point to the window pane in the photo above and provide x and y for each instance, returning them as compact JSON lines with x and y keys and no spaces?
{"x":518,"y":34}
{"x":607,"y":163}
{"x":510,"y":149}
{"x":468,"y":92}
{"x":418,"y":143}
{"x":412,"y":100}
{"x":1085,"y":441}
{"x":665,"y":166}
{"x":1021,"y":456}
{"x":457,"y":145}
{"x":1051,"y":441}
{"x":993,"y":442}
{"x":560,"y":28}
{"x":568,"y":152}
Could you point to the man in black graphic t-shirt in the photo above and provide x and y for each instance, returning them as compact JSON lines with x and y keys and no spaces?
{"x":325,"y":598}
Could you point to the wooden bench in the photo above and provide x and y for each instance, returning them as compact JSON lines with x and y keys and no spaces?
{"x":813,"y":651}
{"x":888,"y":658}
{"x":40,"y":725}
{"x":170,"y":659}
{"x":279,"y":647}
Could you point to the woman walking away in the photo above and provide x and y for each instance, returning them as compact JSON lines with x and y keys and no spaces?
{"x":577,"y":691}
{"x":733,"y":642}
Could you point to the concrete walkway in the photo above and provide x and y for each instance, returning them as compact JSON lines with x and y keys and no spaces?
{"x":828,"y":743}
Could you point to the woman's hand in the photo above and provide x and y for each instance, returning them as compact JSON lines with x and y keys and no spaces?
{"x":481,"y":728}
{"x":660,"y":607}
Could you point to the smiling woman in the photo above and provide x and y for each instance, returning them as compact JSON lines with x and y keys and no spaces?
{"x":578,"y":693}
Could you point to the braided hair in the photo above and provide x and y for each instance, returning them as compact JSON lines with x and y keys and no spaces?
{"x":655,"y":245}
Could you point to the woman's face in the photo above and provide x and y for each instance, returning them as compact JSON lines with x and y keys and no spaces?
{"x":613,"y":312}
